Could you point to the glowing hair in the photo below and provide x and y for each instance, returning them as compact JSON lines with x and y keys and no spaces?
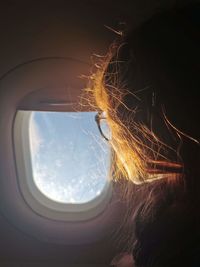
{"x":161,"y":216}
{"x":138,"y":153}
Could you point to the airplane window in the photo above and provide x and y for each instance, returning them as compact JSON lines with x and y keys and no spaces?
{"x":69,"y":158}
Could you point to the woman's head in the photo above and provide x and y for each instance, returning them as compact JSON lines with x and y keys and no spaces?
{"x":148,"y":86}
{"x":165,"y":54}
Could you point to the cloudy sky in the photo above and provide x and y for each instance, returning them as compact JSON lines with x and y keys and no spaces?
{"x":70,"y":159}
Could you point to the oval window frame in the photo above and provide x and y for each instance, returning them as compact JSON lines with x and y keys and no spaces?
{"x":34,"y":197}
{"x":31,"y":86}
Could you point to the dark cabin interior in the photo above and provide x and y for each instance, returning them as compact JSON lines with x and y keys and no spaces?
{"x":36,"y":39}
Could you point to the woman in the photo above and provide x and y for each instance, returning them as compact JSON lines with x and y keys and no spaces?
{"x":148,"y":91}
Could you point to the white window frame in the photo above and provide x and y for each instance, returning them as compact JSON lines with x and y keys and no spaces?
{"x":34,"y":197}
{"x":46,"y":85}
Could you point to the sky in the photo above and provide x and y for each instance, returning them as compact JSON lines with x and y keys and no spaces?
{"x":70,"y":160}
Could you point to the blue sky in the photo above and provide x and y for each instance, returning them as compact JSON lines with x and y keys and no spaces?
{"x":70,"y":159}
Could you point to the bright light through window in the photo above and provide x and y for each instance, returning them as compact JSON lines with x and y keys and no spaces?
{"x":70,"y":160}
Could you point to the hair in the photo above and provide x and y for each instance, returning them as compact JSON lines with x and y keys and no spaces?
{"x":125,"y":86}
{"x":154,"y":67}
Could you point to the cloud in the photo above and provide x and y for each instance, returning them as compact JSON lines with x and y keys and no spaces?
{"x":58,"y":163}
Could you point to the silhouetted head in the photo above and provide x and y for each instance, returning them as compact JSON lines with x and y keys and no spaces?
{"x":162,"y":58}
{"x":149,"y":88}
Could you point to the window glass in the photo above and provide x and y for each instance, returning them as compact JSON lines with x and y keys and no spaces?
{"x":70,"y":160}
